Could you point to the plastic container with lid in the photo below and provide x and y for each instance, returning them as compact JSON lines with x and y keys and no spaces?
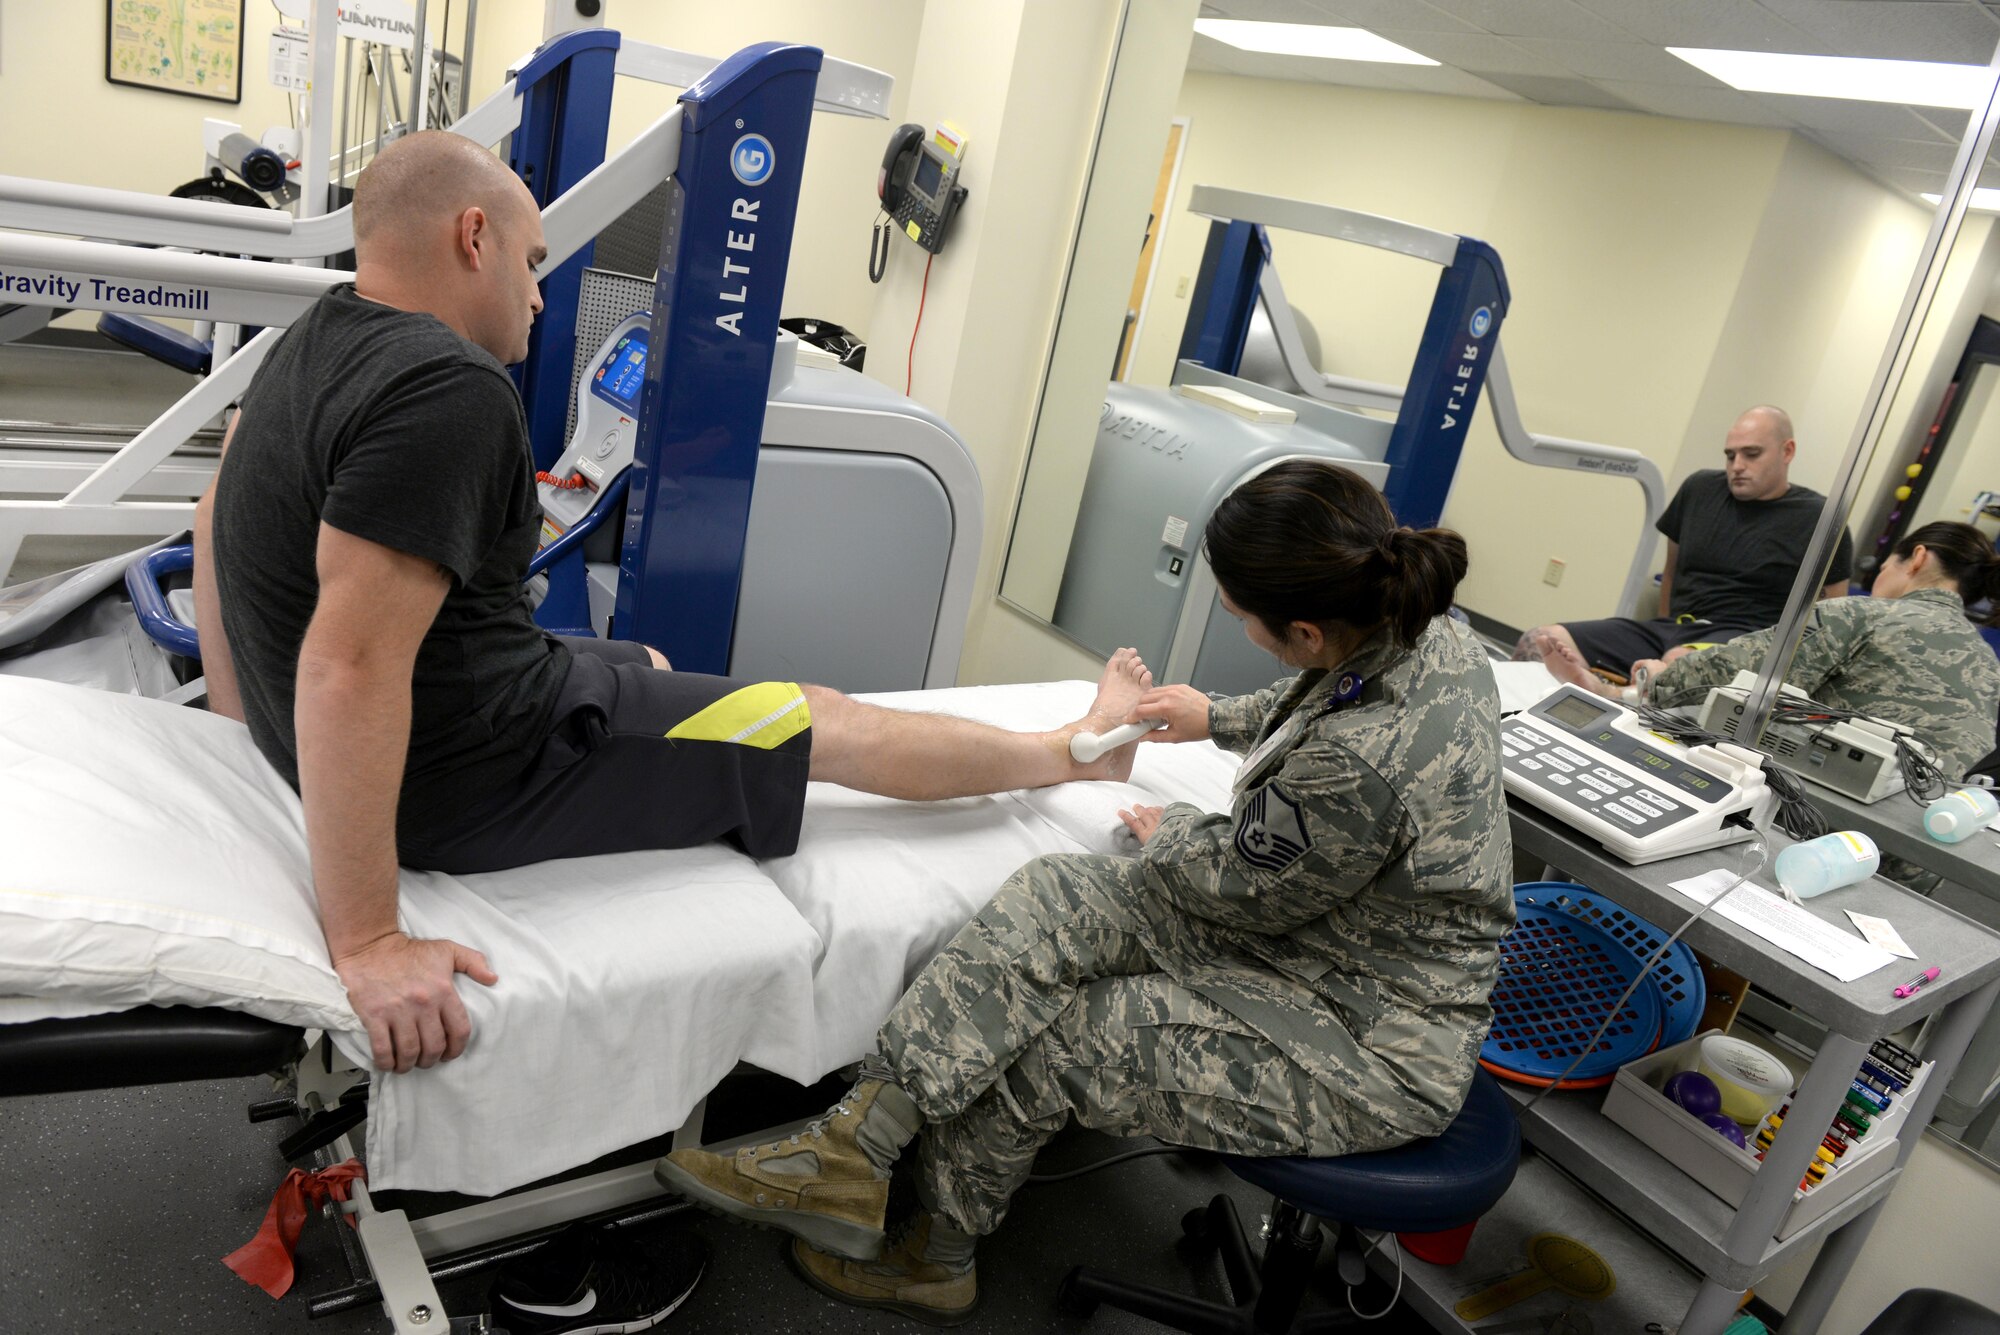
{"x":1752,"y":1081}
{"x":1956,"y":816}
{"x":1816,"y":866}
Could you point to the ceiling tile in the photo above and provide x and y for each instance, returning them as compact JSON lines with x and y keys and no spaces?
{"x":1951,"y":30}
{"x":1264,"y":11}
{"x":1909,"y":178}
{"x":1348,"y":73}
{"x":1215,"y":57}
{"x":1559,"y":92}
{"x":1633,"y":60}
{"x":1378,"y":14}
{"x":1927,"y":155}
{"x":1947,"y":121}
{"x":1731,"y":24}
{"x":1539,"y":18}
{"x":1880,"y":120}
{"x":1695,"y":104}
{"x":1476,"y":51}
{"x":1451,"y":82}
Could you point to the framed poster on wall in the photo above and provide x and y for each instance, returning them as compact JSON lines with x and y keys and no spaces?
{"x":191,"y":47}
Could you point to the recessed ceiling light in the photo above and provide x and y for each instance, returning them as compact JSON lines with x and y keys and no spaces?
{"x":1985,"y":199}
{"x":1309,"y":39}
{"x":1924,"y":83}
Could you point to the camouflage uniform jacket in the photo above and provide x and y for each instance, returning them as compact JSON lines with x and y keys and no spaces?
{"x":1351,"y":906}
{"x":1913,"y":660}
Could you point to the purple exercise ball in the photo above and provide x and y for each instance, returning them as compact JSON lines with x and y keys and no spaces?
{"x":1695,"y":1092}
{"x":1725,"y":1126}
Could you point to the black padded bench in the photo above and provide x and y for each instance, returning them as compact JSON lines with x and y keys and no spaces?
{"x":149,"y":1045}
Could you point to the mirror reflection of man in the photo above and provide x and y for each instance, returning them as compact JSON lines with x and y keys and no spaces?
{"x":1735,"y":538}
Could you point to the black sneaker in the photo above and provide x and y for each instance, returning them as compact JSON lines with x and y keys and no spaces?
{"x":590,"y":1281}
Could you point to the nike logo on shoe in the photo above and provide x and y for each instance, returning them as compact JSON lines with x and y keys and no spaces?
{"x":577,"y":1308}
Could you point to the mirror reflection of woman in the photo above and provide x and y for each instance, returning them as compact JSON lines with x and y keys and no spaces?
{"x":1907,"y":655}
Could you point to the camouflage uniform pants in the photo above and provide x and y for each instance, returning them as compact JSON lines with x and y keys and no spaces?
{"x":1051,"y":1004}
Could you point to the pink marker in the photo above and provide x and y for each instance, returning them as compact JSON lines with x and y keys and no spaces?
{"x":1911,"y":988}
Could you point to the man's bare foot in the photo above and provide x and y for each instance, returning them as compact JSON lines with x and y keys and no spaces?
{"x":1119,"y":687}
{"x":1124,"y":680}
{"x":1566,"y":665}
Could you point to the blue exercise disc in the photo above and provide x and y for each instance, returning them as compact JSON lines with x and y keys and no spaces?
{"x":1683,"y":989}
{"x":1559,"y":977}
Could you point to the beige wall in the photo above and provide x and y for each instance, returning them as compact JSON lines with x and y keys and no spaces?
{"x":1126,"y":173}
{"x":66,"y":123}
{"x":829,"y":272}
{"x":1973,"y":463}
{"x":1813,"y":309}
{"x":1664,"y":274}
{"x":1965,"y":289}
{"x":1038,"y":68}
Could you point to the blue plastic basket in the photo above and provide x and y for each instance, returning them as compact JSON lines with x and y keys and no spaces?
{"x":1559,"y":975}
{"x":1683,"y":989}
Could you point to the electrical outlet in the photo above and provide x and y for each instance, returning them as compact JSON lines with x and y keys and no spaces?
{"x":1181,"y":286}
{"x":1552,"y":574}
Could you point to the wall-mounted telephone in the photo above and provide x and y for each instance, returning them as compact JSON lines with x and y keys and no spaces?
{"x":919,"y":189}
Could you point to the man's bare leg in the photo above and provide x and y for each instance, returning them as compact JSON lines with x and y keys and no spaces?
{"x":925,"y":757}
{"x":1528,"y":648}
{"x":1565,"y":663}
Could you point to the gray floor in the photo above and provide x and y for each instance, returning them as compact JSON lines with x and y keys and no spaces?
{"x":118,"y":1205}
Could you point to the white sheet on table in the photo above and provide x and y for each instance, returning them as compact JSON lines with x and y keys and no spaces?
{"x":885,"y":884}
{"x":631,"y":984}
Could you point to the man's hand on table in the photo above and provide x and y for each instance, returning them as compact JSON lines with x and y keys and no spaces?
{"x":401,"y":987}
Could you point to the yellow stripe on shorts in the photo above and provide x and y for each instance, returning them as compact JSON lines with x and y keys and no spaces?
{"x":766,"y":715}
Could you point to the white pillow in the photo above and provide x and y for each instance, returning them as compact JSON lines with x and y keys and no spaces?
{"x":151,"y":857}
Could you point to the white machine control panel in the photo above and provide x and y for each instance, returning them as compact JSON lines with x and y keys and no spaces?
{"x":607,"y":416}
{"x":1591,"y":763}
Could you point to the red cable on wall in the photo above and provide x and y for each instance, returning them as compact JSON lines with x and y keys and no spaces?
{"x":910,"y":371}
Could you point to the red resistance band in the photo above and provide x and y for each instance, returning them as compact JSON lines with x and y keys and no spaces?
{"x":266,"y":1260}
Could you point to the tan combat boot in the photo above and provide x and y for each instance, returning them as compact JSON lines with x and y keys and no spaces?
{"x":926,"y":1274}
{"x":829,"y":1184}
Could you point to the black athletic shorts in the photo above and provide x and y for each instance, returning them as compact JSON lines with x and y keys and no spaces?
{"x":639,"y":758}
{"x":1616,"y":643}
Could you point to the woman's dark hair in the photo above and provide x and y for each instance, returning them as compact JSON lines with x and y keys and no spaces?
{"x":1311,"y":541}
{"x":1965,"y":556}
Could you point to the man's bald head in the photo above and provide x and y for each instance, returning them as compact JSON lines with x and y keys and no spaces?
{"x":444,"y":227}
{"x":1758,"y":454}
{"x":417,"y":188}
{"x":1775,"y":423}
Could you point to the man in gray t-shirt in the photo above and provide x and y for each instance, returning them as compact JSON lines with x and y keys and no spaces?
{"x":1735,"y":537}
{"x":358,"y":568}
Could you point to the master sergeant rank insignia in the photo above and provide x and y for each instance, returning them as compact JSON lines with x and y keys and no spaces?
{"x":1272,"y":833}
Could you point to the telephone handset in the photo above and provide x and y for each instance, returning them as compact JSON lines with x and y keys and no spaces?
{"x":919,"y":189}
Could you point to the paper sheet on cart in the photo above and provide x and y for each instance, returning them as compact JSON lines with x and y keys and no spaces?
{"x":1522,"y":684}
{"x":1786,"y":925}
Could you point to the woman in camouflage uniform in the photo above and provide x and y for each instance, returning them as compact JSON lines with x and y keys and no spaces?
{"x":1907,"y":655}
{"x":1307,"y":974}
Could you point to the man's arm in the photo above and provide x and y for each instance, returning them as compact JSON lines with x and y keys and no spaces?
{"x":1837,"y":589}
{"x":353,"y":726}
{"x":1667,"y":578}
{"x":217,"y":667}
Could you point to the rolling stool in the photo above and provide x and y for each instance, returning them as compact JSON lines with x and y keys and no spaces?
{"x":1428,"y":1186}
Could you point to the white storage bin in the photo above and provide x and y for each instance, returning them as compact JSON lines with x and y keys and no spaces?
{"x":1636,"y":1103}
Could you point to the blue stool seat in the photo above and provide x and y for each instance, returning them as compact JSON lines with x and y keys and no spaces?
{"x":1427,"y":1186}
{"x":161,"y":342}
